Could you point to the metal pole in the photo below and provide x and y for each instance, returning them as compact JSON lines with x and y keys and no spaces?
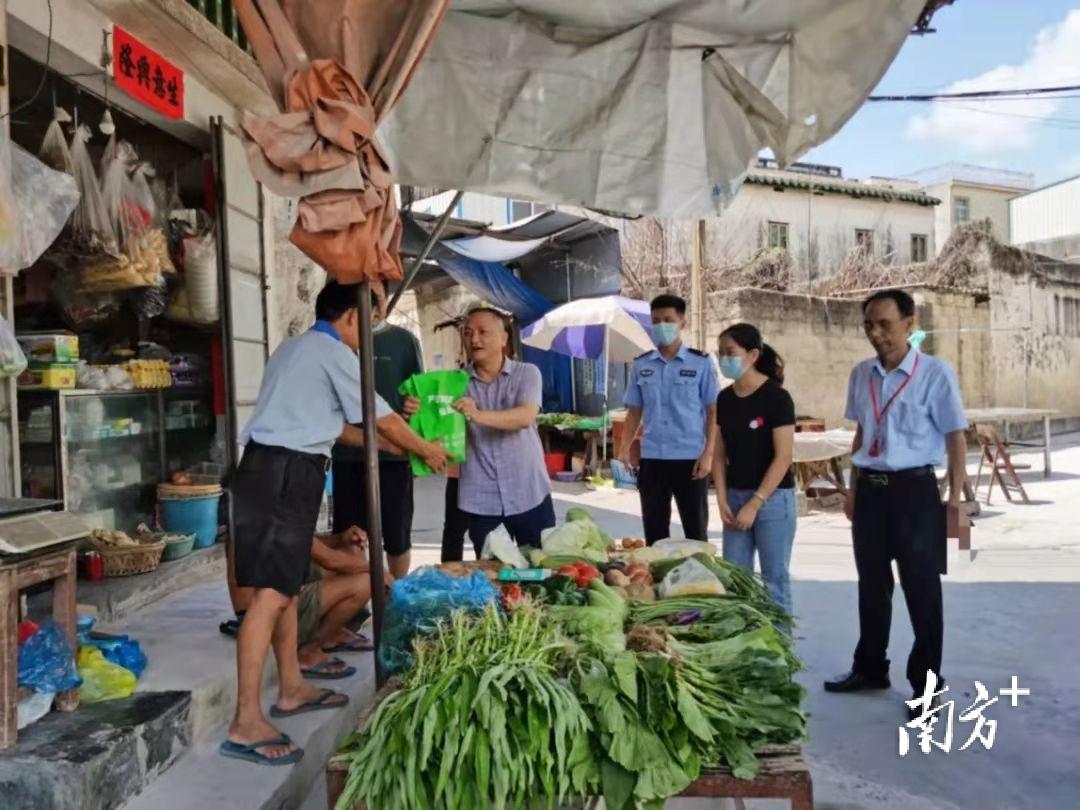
{"x":436,"y":232}
{"x":371,"y":464}
{"x":603,"y":438}
{"x":573,"y":370}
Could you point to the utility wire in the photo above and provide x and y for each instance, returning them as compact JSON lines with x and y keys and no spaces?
{"x":979,"y":94}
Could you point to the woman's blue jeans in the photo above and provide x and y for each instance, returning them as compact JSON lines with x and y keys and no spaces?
{"x":771,"y":537}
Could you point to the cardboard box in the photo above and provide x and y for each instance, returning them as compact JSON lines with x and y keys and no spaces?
{"x":43,"y":348}
{"x":52,"y":377}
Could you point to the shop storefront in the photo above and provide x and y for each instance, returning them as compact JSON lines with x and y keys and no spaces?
{"x":144,"y":323}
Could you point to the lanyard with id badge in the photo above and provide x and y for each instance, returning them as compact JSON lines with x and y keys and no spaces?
{"x":877,"y":446}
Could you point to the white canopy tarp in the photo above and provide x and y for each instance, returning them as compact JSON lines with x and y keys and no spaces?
{"x":636,"y":106}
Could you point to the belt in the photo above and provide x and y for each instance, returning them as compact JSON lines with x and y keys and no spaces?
{"x":318,"y":459}
{"x":882,"y":478}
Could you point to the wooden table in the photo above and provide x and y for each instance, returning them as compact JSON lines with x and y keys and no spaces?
{"x":1007,"y":416}
{"x":782,"y":773}
{"x":817,"y":454}
{"x":18,"y":572}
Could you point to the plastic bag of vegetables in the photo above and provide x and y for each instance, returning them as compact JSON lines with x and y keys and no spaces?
{"x":690,"y":578}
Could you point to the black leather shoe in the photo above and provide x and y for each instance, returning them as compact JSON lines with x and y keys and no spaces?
{"x":855,"y":682}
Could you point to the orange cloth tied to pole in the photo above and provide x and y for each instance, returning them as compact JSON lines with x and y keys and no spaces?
{"x":322,"y":146}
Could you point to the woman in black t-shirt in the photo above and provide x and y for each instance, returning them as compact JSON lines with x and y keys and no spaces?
{"x":752,"y":469}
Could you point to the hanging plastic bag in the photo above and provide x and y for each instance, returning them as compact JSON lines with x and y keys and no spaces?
{"x":142,"y":196}
{"x":437,"y":420}
{"x":126,"y":217}
{"x":201,"y":277}
{"x":102,"y":679}
{"x":12,"y":359}
{"x":90,"y":224}
{"x":150,"y":302}
{"x":35,"y":205}
{"x":54,"y":151}
{"x":419,"y":602}
{"x":46,"y":661}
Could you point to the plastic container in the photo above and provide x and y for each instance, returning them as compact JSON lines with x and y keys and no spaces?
{"x":555,"y":463}
{"x":198,"y":516}
{"x":177,"y":546}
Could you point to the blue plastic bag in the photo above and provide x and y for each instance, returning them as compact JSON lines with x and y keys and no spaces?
{"x":47,"y":662}
{"x":418,"y":602}
{"x":122,"y":651}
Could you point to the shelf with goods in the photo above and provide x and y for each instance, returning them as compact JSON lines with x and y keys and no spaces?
{"x":115,"y":446}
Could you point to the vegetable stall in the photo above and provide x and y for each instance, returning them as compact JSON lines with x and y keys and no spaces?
{"x":590,"y":668}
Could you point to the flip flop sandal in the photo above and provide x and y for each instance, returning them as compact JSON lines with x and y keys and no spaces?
{"x":312,"y":705}
{"x":323,"y":671}
{"x":359,"y":644}
{"x":247,"y":752}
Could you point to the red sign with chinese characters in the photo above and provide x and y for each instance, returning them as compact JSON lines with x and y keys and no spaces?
{"x":147,"y":76}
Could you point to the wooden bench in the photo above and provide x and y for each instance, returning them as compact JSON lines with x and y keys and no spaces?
{"x":783,"y":774}
{"x":56,"y":565}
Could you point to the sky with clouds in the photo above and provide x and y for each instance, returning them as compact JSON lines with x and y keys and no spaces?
{"x":979,"y":45}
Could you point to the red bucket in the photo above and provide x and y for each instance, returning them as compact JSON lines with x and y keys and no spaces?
{"x":556,"y":463}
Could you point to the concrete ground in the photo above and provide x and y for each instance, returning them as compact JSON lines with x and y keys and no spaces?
{"x":1012,"y":609}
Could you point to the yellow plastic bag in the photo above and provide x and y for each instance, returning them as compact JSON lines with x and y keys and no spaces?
{"x":102,"y":679}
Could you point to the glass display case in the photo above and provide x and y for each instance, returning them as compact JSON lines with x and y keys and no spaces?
{"x":105,"y":452}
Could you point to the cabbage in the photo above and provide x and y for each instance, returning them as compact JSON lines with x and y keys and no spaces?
{"x":576,"y":513}
{"x":581,"y":538}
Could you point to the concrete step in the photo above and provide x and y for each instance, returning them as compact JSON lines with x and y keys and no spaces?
{"x":202,"y":778}
{"x":185,"y":651}
{"x":96,"y":757}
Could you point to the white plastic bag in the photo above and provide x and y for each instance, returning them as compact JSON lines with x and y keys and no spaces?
{"x":90,"y":223}
{"x":690,"y":578}
{"x":500,"y":545}
{"x":201,"y":277}
{"x":12,"y":359}
{"x":54,"y":151}
{"x":118,"y":193}
{"x":33,"y":708}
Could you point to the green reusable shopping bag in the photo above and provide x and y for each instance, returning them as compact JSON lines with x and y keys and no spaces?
{"x":437,"y":419}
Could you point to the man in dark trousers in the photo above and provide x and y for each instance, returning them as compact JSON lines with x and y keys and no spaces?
{"x":397,"y":357}
{"x":909,"y":413}
{"x":672,"y":391}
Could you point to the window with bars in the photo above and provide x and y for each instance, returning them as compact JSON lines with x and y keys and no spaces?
{"x":918,"y":247}
{"x":223,"y":17}
{"x":778,"y":235}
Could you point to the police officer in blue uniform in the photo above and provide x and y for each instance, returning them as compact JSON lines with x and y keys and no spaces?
{"x":672,"y":390}
{"x":910,"y":415}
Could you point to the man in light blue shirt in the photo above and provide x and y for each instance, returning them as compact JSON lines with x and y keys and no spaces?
{"x":672,"y":392}
{"x":310,"y":391}
{"x":909,"y":416}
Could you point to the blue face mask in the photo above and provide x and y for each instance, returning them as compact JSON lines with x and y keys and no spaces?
{"x":731,"y":367}
{"x":665,"y":333}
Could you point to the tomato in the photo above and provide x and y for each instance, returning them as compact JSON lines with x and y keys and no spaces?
{"x":570,"y":571}
{"x":512,"y":595}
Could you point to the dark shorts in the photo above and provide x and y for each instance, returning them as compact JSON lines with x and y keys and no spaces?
{"x":525,"y":528}
{"x":395,"y":498}
{"x":276,"y":497}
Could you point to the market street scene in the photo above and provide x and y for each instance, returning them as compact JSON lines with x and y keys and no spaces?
{"x":480,"y":404}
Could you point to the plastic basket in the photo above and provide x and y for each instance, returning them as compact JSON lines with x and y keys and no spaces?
{"x":623,"y":477}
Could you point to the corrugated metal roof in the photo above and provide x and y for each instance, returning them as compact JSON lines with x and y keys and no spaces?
{"x":858,"y":190}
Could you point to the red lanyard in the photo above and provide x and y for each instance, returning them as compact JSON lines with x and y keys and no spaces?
{"x":879,"y":414}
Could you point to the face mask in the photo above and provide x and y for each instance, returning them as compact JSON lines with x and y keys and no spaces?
{"x":378,"y":327}
{"x":731,"y":367}
{"x":665,"y":333}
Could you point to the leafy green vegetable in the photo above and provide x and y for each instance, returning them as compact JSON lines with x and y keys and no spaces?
{"x":481,"y":720}
{"x":575,"y":513}
{"x":581,"y":538}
